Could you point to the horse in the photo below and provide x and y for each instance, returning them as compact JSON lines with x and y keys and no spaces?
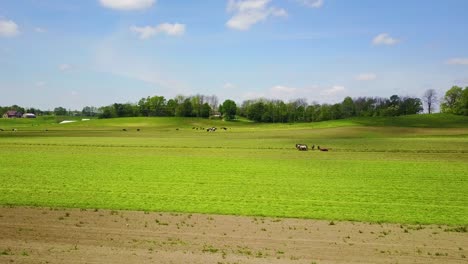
{"x":322,"y":149}
{"x":301,"y":147}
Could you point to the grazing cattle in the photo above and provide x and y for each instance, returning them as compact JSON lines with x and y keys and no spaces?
{"x":14,"y":130}
{"x":138,"y":129}
{"x":211,"y":129}
{"x":301,"y":147}
{"x":177,"y":129}
{"x":124,"y":129}
{"x":322,"y":149}
{"x":1,"y":129}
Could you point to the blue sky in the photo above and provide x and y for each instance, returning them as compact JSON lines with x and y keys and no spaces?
{"x":95,"y":52}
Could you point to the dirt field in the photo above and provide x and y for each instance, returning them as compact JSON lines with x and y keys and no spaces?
{"x":43,"y":235}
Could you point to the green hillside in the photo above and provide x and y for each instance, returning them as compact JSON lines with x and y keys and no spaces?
{"x":409,"y":169}
{"x":423,"y":121}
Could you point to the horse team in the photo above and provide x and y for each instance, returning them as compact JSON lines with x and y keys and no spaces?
{"x":303,"y":147}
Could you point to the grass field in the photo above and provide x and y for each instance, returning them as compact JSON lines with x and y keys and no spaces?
{"x":409,"y":169}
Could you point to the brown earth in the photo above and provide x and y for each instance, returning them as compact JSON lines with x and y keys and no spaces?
{"x":43,"y":235}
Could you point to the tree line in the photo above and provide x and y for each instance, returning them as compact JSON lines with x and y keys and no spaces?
{"x":455,"y":101}
{"x":182,"y":106}
{"x":277,"y":111}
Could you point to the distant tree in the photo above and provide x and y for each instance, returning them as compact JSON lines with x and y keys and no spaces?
{"x":60,"y":111}
{"x":364,"y":106}
{"x":336,"y":111}
{"x":206,"y":110}
{"x":430,"y":98}
{"x":156,"y":105}
{"x":348,"y":107}
{"x":33,"y":111}
{"x":255,"y":111}
{"x":410,"y":106}
{"x":125,"y":110}
{"x":394,"y":100}
{"x":107,"y":112}
{"x":228,"y":109}
{"x":453,"y":101}
{"x":213,"y":102}
{"x":465,"y":101}
{"x":89,"y":111}
{"x":325,"y":112}
{"x":185,"y":109}
{"x":143,"y":107}
{"x":171,"y":107}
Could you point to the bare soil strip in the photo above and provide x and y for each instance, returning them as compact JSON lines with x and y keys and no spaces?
{"x":43,"y":235}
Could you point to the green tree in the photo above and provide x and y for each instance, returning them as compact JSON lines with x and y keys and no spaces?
{"x":107,"y":112}
{"x":206,"y":110}
{"x":228,"y":109}
{"x":255,"y":111}
{"x":185,"y":109}
{"x":453,"y":101}
{"x":156,"y":105}
{"x":348,"y":108}
{"x":171,"y":107}
{"x":60,"y":111}
{"x":410,"y":106}
{"x":89,"y":111}
{"x":465,"y":101}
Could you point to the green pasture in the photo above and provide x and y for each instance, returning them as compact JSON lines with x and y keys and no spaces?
{"x":409,"y":169}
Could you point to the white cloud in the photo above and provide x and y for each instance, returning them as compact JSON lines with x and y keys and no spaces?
{"x":458,"y":61}
{"x":166,"y":28}
{"x":8,"y":28}
{"x":64,"y":67}
{"x":249,"y":12}
{"x":40,"y":30}
{"x":337,"y":89}
{"x":172,"y":29}
{"x":366,"y":77}
{"x":385,"y":39}
{"x":312,"y":3}
{"x":127,"y":4}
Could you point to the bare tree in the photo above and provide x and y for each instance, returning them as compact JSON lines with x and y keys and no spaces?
{"x":430,"y":98}
{"x":213,"y":102}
